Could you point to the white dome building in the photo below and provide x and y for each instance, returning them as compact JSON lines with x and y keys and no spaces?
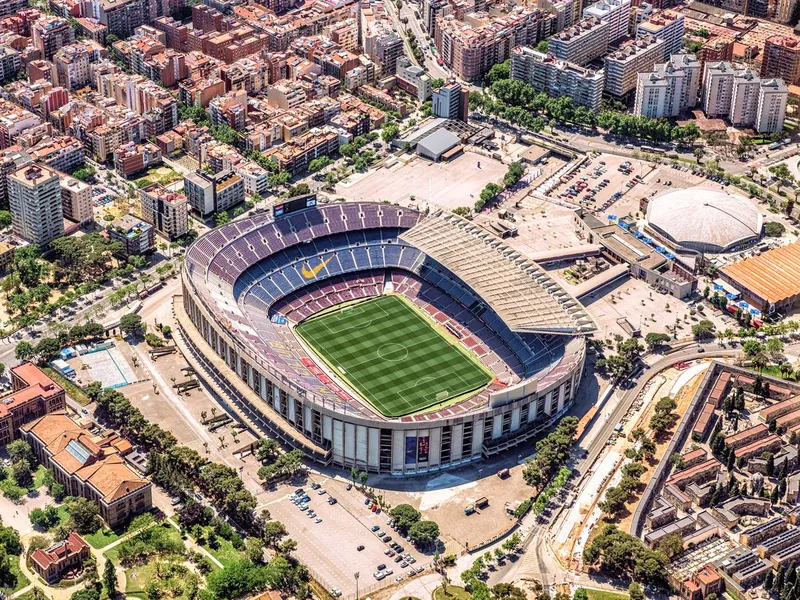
{"x":705,"y":220}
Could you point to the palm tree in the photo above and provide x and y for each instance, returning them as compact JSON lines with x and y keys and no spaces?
{"x":203,"y":415}
{"x":213,"y":411}
{"x":205,"y":447}
{"x":234,"y":433}
{"x":222,"y":441}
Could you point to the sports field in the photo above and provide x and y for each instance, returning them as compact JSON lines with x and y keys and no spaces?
{"x":393,"y":356}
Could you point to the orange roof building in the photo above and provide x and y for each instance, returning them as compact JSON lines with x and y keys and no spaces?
{"x":51,"y":564}
{"x":33,"y":394}
{"x":769,"y":281}
{"x":90,"y":465}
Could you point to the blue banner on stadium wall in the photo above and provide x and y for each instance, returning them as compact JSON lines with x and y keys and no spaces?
{"x":423,"y":447}
{"x":411,"y":449}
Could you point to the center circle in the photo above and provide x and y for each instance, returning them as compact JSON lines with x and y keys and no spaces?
{"x":393,"y":352}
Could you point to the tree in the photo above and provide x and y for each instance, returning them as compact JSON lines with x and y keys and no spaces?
{"x":580,"y":594}
{"x":319,"y":163}
{"x":497,"y":72}
{"x":390,"y":132}
{"x":132,"y":324}
{"x":20,"y":450}
{"x":405,"y":516}
{"x":84,"y":514}
{"x":423,"y":532}
{"x":273,"y":532}
{"x":254,"y":549}
{"x":671,"y":545}
{"x":110,"y":579}
{"x":24,"y":351}
{"x":774,"y":228}
{"x":703,"y":330}
{"x":47,"y":349}
{"x":635,"y":591}
{"x":268,"y":449}
{"x":654,"y":340}
{"x":507,"y":591}
{"x":45,"y":518}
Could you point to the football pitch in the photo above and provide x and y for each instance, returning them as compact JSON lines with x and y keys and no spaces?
{"x":393,"y":356}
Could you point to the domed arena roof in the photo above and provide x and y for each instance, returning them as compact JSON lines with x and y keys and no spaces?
{"x":706,"y":220}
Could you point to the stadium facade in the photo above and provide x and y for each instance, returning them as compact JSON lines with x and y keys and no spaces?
{"x":248,"y":283}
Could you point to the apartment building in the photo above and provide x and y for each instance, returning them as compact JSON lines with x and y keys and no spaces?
{"x":76,"y":200}
{"x":617,"y":13}
{"x":11,"y":159}
{"x":286,"y":94}
{"x":13,"y":121}
{"x":33,"y":394}
{"x":666,"y":25}
{"x":209,"y":193}
{"x":781,"y":58}
{"x":557,"y":78}
{"x":62,"y":153}
{"x":744,"y":98}
{"x":135,"y":236}
{"x":718,"y":89}
{"x":50,"y":34}
{"x":10,"y":63}
{"x":413,"y":79}
{"x":623,"y":66}
{"x":294,"y":156}
{"x":90,"y":465}
{"x":132,"y":158}
{"x":772,"y":99}
{"x":255,"y":178}
{"x":34,"y":194}
{"x":120,"y":17}
{"x":386,"y":49}
{"x":451,"y":102}
{"x":167,"y":211}
{"x":72,"y":63}
{"x":584,"y":42}
{"x":471,"y":47}
{"x":670,"y":89}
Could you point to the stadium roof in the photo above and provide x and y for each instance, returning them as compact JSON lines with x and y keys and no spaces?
{"x":773,"y":276}
{"x":516,"y":288}
{"x":708,"y":220}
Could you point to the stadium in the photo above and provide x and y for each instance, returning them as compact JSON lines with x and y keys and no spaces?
{"x":381,"y":337}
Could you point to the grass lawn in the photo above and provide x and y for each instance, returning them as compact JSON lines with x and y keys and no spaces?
{"x":103,"y":537}
{"x":224,"y":553}
{"x":774,"y":371}
{"x":393,"y":356}
{"x":73,"y":391}
{"x":605,"y":595}
{"x":454,"y":592}
{"x":163,"y":175}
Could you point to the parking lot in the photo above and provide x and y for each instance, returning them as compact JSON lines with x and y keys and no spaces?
{"x":331,"y":544}
{"x":603,"y":183}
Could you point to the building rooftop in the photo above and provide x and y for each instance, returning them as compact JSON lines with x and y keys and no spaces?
{"x":773,"y":275}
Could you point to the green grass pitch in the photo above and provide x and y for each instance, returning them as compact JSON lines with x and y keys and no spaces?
{"x":393,"y":356}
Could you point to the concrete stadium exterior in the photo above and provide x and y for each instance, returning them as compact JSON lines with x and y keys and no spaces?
{"x":231,"y":335}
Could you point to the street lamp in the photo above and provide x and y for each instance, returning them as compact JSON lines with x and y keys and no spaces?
{"x":356,"y":574}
